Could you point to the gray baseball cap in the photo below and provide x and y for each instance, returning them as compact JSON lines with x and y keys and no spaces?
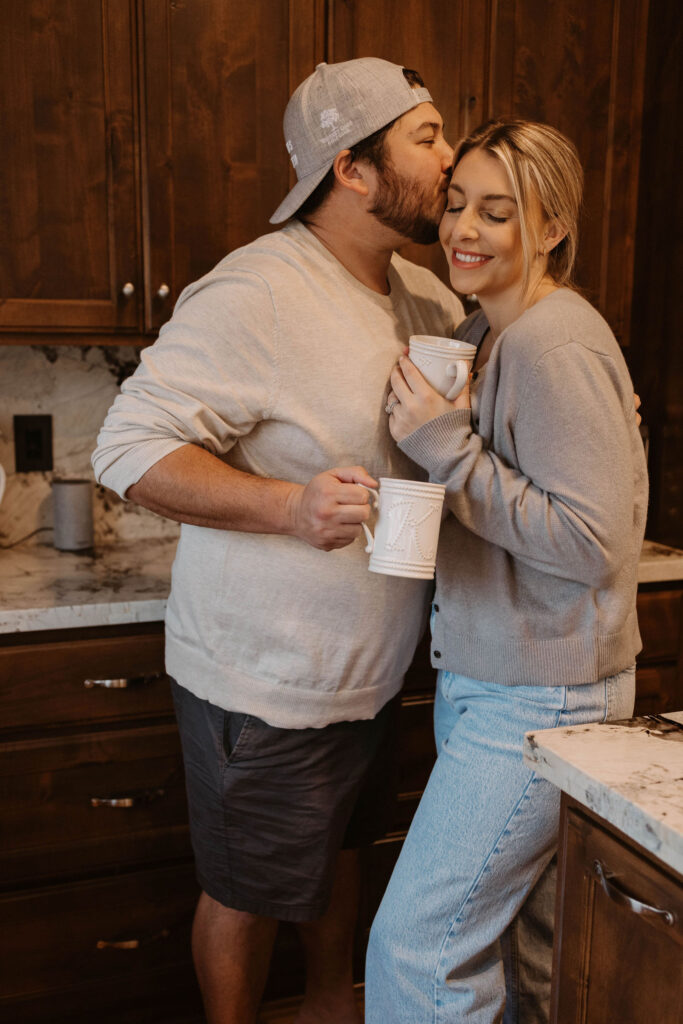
{"x":333,"y":109}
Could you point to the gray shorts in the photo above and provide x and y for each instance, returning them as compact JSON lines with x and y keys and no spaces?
{"x":271,"y":808}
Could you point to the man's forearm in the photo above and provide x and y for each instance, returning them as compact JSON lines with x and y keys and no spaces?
{"x":193,"y":486}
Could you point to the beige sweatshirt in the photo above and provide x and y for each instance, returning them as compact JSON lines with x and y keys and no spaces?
{"x":278,"y":362}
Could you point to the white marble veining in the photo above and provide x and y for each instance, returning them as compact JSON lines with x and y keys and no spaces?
{"x":75,"y":385}
{"x":629,"y":773}
{"x":41,"y":588}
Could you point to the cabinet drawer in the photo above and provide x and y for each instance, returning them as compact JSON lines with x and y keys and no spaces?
{"x":107,"y":942}
{"x":659,"y":617}
{"x":60,"y":682}
{"x":72,"y":803}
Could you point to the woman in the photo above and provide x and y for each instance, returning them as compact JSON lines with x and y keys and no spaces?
{"x":534,"y":622}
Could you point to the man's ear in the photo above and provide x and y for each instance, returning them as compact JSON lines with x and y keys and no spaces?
{"x":553,"y":233}
{"x":350,"y":173}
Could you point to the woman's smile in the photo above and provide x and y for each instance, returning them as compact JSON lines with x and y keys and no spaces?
{"x":468,"y":260}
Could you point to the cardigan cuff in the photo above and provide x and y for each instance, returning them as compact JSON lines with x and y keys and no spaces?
{"x":439,"y":440}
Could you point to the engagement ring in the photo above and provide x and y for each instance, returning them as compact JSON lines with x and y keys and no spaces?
{"x":389,"y":407}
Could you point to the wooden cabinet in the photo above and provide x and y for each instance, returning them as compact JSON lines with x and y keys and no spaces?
{"x":97,"y":888}
{"x":659,"y":669}
{"x":619,"y":931}
{"x":68,"y":178}
{"x":141,"y":140}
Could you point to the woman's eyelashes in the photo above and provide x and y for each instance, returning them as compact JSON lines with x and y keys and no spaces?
{"x":484,"y":214}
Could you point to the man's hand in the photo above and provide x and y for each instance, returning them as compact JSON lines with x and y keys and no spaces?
{"x":328,"y":511}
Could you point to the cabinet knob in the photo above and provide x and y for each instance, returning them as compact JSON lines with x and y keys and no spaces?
{"x":128,"y":289}
{"x":164,"y":291}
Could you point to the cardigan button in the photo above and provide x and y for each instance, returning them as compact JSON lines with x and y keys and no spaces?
{"x":436,"y":607}
{"x":437,"y":654}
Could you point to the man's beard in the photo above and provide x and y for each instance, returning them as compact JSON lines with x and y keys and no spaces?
{"x":401,"y":205}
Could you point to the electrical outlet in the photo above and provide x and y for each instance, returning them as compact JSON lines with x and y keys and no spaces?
{"x":32,"y":443}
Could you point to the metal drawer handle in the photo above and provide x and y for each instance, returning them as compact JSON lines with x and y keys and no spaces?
{"x":124,"y":944}
{"x":617,"y":895}
{"x":108,"y":684}
{"x":127,"y":801}
{"x":132,"y":943}
{"x":120,"y":684}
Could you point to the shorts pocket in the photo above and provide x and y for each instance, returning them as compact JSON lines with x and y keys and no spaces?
{"x":236,"y":730}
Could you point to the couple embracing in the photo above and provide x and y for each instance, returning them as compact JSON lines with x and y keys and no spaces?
{"x":277,"y":394}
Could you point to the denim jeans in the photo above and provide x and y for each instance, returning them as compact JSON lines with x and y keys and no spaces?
{"x":483,"y":834}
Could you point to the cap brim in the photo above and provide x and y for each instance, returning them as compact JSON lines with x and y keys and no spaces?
{"x":298,"y":195}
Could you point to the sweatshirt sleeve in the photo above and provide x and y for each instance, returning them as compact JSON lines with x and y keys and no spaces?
{"x":565,"y":503}
{"x":207,"y":380}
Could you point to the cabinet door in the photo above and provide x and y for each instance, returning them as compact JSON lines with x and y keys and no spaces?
{"x":619,"y":930}
{"x":580,"y":66}
{"x":67,"y":176}
{"x":215,"y":82}
{"x":659,"y":672}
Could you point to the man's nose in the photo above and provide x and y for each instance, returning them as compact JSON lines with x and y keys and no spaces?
{"x":447,"y":154}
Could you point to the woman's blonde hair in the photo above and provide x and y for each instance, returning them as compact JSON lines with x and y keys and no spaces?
{"x":542,"y":164}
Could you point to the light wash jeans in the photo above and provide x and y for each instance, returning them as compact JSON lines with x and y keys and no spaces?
{"x":483,"y":834}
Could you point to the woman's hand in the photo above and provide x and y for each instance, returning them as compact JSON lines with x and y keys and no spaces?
{"x":414,"y":402}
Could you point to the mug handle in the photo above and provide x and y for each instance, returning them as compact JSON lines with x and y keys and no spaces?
{"x":460,"y":370}
{"x":371,"y":540}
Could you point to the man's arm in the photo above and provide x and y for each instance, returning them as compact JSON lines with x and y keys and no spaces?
{"x":190,"y":485}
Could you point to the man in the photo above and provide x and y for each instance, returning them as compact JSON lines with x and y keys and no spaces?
{"x":286,"y":651}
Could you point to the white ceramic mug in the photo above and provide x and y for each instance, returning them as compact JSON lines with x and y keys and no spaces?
{"x":445,"y":363}
{"x":407,"y":528}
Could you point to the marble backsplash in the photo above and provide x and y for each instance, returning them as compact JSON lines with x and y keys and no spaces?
{"x":75,"y":385}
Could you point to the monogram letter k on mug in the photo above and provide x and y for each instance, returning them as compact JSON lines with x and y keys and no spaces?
{"x":407,"y":528}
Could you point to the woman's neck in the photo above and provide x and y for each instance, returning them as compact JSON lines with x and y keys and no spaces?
{"x":503,"y":309}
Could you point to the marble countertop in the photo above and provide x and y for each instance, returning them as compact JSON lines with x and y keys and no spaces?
{"x":41,"y":588}
{"x":629,"y":773}
{"x":658,"y":563}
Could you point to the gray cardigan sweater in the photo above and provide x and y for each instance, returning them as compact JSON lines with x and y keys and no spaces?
{"x":547,"y":490}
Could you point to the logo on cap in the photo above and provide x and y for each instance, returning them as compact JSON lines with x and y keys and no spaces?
{"x":329,"y":117}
